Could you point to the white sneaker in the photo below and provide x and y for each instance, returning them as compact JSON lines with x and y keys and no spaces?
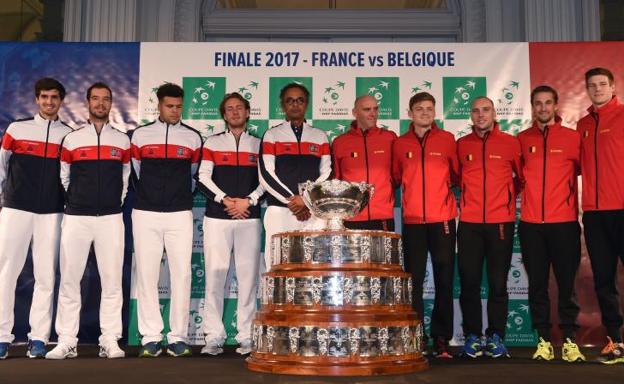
{"x":61,"y":352}
{"x":212,"y":347}
{"x":244,"y":348}
{"x":111,"y":350}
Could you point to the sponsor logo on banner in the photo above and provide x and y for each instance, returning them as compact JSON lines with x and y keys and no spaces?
{"x":150,"y":105}
{"x":257,"y":128}
{"x":506,"y":103}
{"x":459,"y":93}
{"x":517,"y":281}
{"x":424,"y":86}
{"x":333,"y":128}
{"x":428,"y":283}
{"x":428,"y":308}
{"x":275,"y":86}
{"x":198,"y":276}
{"x":196,"y":322}
{"x":519,"y":327}
{"x":163,"y":280}
{"x":251,"y":89}
{"x":514,"y":126}
{"x":198,"y":229}
{"x":334,"y":102}
{"x":202,"y":97}
{"x":385,"y":90}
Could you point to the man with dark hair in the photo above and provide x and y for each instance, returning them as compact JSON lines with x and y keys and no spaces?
{"x":424,"y":162}
{"x":488,"y":160}
{"x":228,"y":177}
{"x":291,"y":153}
{"x":602,"y":169}
{"x":32,"y":200}
{"x":95,"y":167}
{"x":549,"y":229}
{"x":165,"y":158}
{"x":364,"y":153}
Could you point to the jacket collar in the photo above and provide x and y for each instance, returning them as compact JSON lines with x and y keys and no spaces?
{"x":354,"y":129}
{"x":610,"y":106}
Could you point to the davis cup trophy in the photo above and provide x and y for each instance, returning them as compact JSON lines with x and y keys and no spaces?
{"x":336,"y":301}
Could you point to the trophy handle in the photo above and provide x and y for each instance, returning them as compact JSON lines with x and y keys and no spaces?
{"x":303,"y":186}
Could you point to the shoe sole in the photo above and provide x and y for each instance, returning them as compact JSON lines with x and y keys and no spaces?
{"x":183,"y":354}
{"x":444,"y":355}
{"x":472,"y":356}
{"x":34,"y":356}
{"x":144,"y":354}
{"x":105,"y":355}
{"x":614,"y":361}
{"x":212,"y":353}
{"x":68,"y":356}
{"x":542,"y":358}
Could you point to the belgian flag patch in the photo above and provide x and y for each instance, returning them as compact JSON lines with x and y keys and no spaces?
{"x":469,"y":157}
{"x":354,"y":154}
{"x":532,"y":149}
{"x":409,"y":155}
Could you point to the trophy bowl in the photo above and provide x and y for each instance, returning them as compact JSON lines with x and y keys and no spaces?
{"x":335,"y":200}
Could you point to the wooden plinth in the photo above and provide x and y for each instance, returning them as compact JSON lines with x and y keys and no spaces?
{"x":361,"y":368}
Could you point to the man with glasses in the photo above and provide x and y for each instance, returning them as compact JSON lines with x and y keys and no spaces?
{"x":291,"y":153}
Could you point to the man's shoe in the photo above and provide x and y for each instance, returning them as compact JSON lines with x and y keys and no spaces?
{"x":179,"y":349}
{"x":495,"y":348}
{"x":61,"y":352}
{"x":441,"y":348}
{"x":4,"y":350}
{"x":111,"y":350}
{"x":607,"y":349}
{"x":571,"y":353}
{"x":244,"y":348}
{"x":472,"y":347}
{"x":212,"y":347}
{"x":616,"y":356}
{"x":36,"y":349}
{"x":152,"y":349}
{"x":544,"y":351}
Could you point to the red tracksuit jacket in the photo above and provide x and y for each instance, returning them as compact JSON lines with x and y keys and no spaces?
{"x":487,"y":167}
{"x":550,"y":165}
{"x":367,"y":156}
{"x":425,"y":168}
{"x":602,"y":157}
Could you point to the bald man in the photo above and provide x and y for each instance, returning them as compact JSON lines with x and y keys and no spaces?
{"x":489,"y":162}
{"x":364,"y":153}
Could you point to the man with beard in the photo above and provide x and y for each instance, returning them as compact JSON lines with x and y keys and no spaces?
{"x":549,"y":229}
{"x":291,"y":153}
{"x":95,"y":167}
{"x":32,"y":200}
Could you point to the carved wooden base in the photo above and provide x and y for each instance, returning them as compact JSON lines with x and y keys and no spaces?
{"x":361,"y":368}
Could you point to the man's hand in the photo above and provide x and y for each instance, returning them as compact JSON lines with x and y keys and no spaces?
{"x":237,"y":208}
{"x":304,"y":215}
{"x":296,"y":205}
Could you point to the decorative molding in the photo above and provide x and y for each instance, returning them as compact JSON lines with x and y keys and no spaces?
{"x":155,"y":21}
{"x":187,"y":25}
{"x":72,"y":28}
{"x":473,"y":21}
{"x":553,"y":20}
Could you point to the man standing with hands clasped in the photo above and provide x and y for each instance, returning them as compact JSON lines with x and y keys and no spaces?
{"x":228,"y":177}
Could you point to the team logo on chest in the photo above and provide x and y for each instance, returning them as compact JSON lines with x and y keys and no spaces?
{"x":182,"y":152}
{"x":314,"y":148}
{"x":253,"y":158}
{"x":115,"y":153}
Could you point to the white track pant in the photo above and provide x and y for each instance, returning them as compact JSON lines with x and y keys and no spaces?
{"x":152,"y":232}
{"x":17,"y":229}
{"x":221,"y":237}
{"x":280,"y":219}
{"x":107,"y":235}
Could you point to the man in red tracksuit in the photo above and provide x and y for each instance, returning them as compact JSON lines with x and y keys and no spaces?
{"x":602,"y":168}
{"x":424,"y":160}
{"x":364,"y":153}
{"x":488,"y":160}
{"x":549,"y":229}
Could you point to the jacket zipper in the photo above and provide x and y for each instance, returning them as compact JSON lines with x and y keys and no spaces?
{"x":422,"y":163}
{"x":43,"y":165}
{"x":237,"y":164}
{"x":484,"y":139}
{"x":99,"y":178}
{"x":166,"y":157}
{"x":545,"y":134}
{"x":367,"y":176}
{"x":597,"y":119}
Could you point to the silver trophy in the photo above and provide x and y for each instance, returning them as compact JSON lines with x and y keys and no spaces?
{"x":335,"y":200}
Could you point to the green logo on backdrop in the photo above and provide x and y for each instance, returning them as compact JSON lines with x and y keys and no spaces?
{"x":424,"y":86}
{"x":519,"y":327}
{"x":198,"y":279}
{"x":459,"y":93}
{"x":333,"y":128}
{"x":514,"y":126}
{"x":385,"y":90}
{"x":275,"y":86}
{"x":202,"y":97}
{"x":257,"y":127}
{"x":508,"y":93}
{"x":248,"y":91}
{"x":333,"y":93}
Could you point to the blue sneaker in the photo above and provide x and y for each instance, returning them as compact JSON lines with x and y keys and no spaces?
{"x":4,"y":350}
{"x":36,"y":349}
{"x":472,"y":347}
{"x":179,"y":349}
{"x":495,"y":348}
{"x":152,"y":349}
